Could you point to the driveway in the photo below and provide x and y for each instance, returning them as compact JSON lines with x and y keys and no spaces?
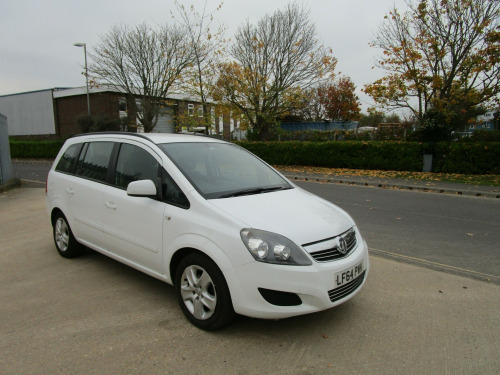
{"x":92,"y":315}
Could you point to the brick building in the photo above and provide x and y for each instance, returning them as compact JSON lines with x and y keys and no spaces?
{"x":53,"y":113}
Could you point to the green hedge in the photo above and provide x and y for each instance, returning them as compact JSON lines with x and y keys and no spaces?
{"x":35,"y":149}
{"x":448,"y":157}
{"x":467,"y":158}
{"x":403,"y":156}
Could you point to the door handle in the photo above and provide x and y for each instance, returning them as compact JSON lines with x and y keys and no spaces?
{"x":70,"y":191}
{"x":111,"y":205}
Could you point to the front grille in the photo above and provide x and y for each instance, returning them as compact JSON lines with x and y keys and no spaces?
{"x":333,"y":253}
{"x":345,"y":290}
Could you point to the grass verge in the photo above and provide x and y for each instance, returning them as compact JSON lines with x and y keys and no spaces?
{"x":480,"y":180}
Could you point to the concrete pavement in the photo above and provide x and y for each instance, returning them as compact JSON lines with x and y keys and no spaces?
{"x":92,"y":315}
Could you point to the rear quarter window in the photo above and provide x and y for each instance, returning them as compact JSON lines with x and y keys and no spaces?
{"x":69,"y":159}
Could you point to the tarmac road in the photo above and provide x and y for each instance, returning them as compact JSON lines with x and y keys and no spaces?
{"x":92,"y":315}
{"x":448,"y":232}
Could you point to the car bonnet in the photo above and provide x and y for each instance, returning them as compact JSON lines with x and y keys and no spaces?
{"x":296,"y":214}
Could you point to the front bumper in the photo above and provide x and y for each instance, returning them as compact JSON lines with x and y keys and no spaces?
{"x":315,"y":285}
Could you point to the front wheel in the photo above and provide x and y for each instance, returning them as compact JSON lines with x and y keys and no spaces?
{"x":202,"y":292}
{"x":66,"y":244}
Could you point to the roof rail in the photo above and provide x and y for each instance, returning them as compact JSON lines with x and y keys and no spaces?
{"x":208,"y":136}
{"x":140,"y":135}
{"x":112,"y":133}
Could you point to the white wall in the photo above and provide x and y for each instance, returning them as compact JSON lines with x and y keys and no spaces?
{"x":30,"y":113}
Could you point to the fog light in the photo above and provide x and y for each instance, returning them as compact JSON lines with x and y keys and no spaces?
{"x":281,"y":252}
{"x":258,"y":247}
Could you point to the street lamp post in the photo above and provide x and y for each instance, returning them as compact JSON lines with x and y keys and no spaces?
{"x":84,"y":45}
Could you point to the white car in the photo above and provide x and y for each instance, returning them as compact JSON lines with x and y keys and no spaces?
{"x":226,"y":229}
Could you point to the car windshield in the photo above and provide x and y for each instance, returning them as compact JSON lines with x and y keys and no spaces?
{"x":222,"y":170}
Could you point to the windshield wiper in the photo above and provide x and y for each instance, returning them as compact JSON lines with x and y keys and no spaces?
{"x":254,"y":191}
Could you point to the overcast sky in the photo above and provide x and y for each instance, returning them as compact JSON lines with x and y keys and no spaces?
{"x":36,"y":37}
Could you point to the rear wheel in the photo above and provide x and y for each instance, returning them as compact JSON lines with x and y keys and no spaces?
{"x":202,"y":292}
{"x":66,"y":244}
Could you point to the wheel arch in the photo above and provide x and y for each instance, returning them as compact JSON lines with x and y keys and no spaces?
{"x":186,"y":244}
{"x":53,"y":214}
{"x":184,"y":252}
{"x":176,"y":259}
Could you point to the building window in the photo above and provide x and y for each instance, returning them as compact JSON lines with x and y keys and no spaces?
{"x":122,"y":104}
{"x":138,"y":105}
{"x":191,"y":109}
{"x":200,"y":111}
{"x":122,"y":107}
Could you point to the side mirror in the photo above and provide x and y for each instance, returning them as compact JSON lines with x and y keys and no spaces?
{"x":142,"y":188}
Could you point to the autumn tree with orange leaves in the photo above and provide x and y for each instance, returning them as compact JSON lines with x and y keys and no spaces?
{"x":339,"y":100}
{"x":440,"y":55}
{"x":272,"y":65}
{"x":333,"y":100}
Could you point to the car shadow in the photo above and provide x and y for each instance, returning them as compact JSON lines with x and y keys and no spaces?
{"x":242,"y":326}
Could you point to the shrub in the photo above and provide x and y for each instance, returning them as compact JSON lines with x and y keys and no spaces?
{"x":485,"y":136}
{"x":35,"y":149}
{"x":91,"y":124}
{"x":467,"y":157}
{"x":448,"y":157}
{"x":347,"y":154}
{"x":395,"y":134}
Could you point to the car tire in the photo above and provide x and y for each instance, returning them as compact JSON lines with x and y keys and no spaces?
{"x":202,"y":292}
{"x":66,"y":244}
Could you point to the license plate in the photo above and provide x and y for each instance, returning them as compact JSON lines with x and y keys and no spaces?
{"x":348,"y":275}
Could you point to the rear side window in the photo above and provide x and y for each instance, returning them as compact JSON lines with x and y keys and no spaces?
{"x":95,"y":162}
{"x":135,"y":163}
{"x":68,"y":161}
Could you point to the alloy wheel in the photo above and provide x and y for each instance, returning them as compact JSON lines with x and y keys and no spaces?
{"x":198,"y":292}
{"x":62,"y":234}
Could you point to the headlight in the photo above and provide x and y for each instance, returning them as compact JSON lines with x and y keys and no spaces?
{"x":273,"y":248}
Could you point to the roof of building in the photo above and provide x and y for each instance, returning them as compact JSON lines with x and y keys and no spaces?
{"x":116,"y":89}
{"x":36,"y":91}
{"x":61,"y":92}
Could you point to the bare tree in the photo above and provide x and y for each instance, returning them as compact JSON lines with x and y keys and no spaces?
{"x":439,"y":55}
{"x":273,"y":64}
{"x":144,"y":62}
{"x":207,"y":45}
